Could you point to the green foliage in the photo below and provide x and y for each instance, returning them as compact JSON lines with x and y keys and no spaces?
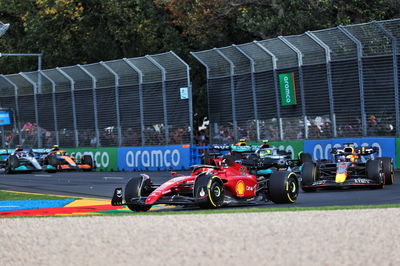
{"x":72,"y":32}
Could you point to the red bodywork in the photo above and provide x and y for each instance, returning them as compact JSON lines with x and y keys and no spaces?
{"x":236,"y":178}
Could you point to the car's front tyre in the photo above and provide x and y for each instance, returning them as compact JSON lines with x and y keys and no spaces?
{"x":283,"y":187}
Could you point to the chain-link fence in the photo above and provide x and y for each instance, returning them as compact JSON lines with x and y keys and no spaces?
{"x":128,"y":102}
{"x":346,"y":85}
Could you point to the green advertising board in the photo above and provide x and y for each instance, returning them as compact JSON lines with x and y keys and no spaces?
{"x":288,"y":89}
{"x":106,"y":158}
{"x":294,"y":146}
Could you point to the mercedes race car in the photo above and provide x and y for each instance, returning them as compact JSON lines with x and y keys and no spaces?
{"x":271,"y":158}
{"x":19,"y":160}
{"x":58,"y":160}
{"x":351,"y":167}
{"x":222,"y":182}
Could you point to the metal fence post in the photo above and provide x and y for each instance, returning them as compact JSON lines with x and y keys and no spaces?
{"x":140,"y":73}
{"x":395,"y":74}
{"x":164,"y":94}
{"x":207,"y":77}
{"x":301,"y":81}
{"x":360,"y":77}
{"x":18,"y":126}
{"x":253,"y":89}
{"x":232,"y":73}
{"x":329,"y":77}
{"x":275,"y":67}
{"x":72,"y":84}
{"x":53,"y":98}
{"x":94,"y":86}
{"x":190,"y":97}
{"x":116,"y":77}
{"x":35,"y":103}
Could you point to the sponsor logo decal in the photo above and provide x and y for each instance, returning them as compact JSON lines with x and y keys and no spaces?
{"x":240,"y":188}
{"x":361,"y":181}
{"x":202,"y":192}
{"x":153,"y":158}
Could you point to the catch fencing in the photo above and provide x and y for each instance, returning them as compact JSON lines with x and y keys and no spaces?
{"x":346,"y":85}
{"x":139,"y":101}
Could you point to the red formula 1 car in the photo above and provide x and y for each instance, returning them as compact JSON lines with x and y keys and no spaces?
{"x":210,"y":186}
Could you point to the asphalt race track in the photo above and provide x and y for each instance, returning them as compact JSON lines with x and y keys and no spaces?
{"x":102,"y":184}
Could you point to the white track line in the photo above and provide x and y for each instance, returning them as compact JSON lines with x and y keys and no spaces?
{"x":113,"y":177}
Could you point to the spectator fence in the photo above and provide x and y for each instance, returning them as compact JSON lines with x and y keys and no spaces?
{"x":346,"y":85}
{"x":128,"y":102}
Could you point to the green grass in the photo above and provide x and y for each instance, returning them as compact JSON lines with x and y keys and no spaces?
{"x":8,"y":195}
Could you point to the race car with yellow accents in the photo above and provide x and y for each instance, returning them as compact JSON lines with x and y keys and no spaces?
{"x":59,"y":160}
{"x":351,"y":167}
{"x":222,"y":182}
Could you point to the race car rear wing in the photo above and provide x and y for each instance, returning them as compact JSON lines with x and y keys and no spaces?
{"x":355,"y":150}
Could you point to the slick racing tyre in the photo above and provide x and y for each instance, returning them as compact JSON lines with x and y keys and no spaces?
{"x":388,"y":170}
{"x":375,"y":172}
{"x":213,"y":186}
{"x":87,"y":159}
{"x":305,"y":157}
{"x":12,"y":164}
{"x":283,"y":187}
{"x":52,"y":160}
{"x":308,"y":176}
{"x":137,"y":187}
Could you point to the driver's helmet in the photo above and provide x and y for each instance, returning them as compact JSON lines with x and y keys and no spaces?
{"x":265,"y":144}
{"x":351,"y":157}
{"x":264,"y":153}
{"x":19,"y":148}
{"x":55,"y":148}
{"x":242,"y":142}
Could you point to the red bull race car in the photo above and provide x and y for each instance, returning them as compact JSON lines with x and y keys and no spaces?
{"x":223,"y":181}
{"x":351,"y":167}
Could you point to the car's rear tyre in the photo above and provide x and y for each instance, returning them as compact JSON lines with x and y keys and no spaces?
{"x":137,"y":187}
{"x":305,"y":157}
{"x":375,"y":172}
{"x":283,"y":187}
{"x":87,"y":159}
{"x":52,"y":160}
{"x":12,"y":164}
{"x":216,"y":193}
{"x":388,"y":170}
{"x":308,"y":176}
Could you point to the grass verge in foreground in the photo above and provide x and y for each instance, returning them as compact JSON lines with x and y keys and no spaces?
{"x":11,"y":195}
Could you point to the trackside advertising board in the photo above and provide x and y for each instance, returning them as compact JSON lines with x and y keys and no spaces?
{"x":288,"y":89}
{"x":294,"y":146}
{"x":320,"y":149}
{"x":176,"y":157}
{"x":106,"y":158}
